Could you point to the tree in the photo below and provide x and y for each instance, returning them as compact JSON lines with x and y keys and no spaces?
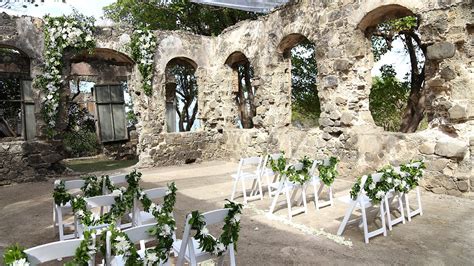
{"x":176,"y":15}
{"x":304,"y":95}
{"x":388,"y":98}
{"x":405,"y":29}
{"x":246,"y":94}
{"x":186,"y":94}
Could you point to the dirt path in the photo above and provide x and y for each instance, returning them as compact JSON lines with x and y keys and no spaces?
{"x":443,"y":235}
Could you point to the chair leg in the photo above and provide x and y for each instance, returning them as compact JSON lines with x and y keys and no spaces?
{"x":316,"y":197}
{"x":364,"y":223}
{"x":244,"y":190}
{"x":54,"y":219}
{"x":331,"y":201}
{"x":348,"y":214}
{"x":383,"y":219}
{"x":303,"y":195}
{"x":418,"y":195}
{"x":260,"y":188}
{"x":407,"y":205}
{"x":60,"y":223}
{"x":389,"y":218}
{"x":288,"y":201}
{"x":232,"y":254}
{"x":400,"y":207}
{"x":233,"y":190}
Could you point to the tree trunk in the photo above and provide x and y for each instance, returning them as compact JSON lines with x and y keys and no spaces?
{"x":415,"y":108}
{"x":245,"y":117}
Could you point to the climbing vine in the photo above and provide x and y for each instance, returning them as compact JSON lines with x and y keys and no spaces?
{"x":65,"y":33}
{"x":143,"y":46}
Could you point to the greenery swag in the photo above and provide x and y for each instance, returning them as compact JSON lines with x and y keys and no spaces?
{"x":65,"y":33}
{"x":230,"y":233}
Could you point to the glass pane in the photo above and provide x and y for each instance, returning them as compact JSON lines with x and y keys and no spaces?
{"x":10,"y":119}
{"x":119,"y":122}
{"x":105,"y":122}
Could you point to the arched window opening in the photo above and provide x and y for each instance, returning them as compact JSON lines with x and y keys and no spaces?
{"x":305,"y":106}
{"x":17,"y":108}
{"x":99,"y":106}
{"x":396,"y":99}
{"x":243,"y":89}
{"x":181,"y":95}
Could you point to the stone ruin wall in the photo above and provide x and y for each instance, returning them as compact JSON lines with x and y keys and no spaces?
{"x":344,"y":61}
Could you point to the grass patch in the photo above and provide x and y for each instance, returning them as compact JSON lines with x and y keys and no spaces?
{"x":96,"y":165}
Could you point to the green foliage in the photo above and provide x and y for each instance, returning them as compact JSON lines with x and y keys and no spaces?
{"x":176,"y":15}
{"x":387,"y":99}
{"x":143,"y":46}
{"x":13,"y":253}
{"x":85,"y":250}
{"x":304,"y":94}
{"x":279,"y":165}
{"x":60,"y":195}
{"x":327,"y":173}
{"x":81,"y":143}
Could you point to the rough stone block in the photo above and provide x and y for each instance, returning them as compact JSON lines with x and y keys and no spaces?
{"x":346,"y":118}
{"x":463,"y":186}
{"x":439,"y":51}
{"x":451,"y":149}
{"x":437,"y":165}
{"x":457,"y":112}
{"x":447,"y":74}
{"x":342,"y":65}
{"x":427,"y":148}
{"x":439,"y":190}
{"x":330,"y":81}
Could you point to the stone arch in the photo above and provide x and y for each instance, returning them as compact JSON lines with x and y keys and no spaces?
{"x":181,"y":94}
{"x":17,"y":107}
{"x":381,"y":14}
{"x":242,"y":88}
{"x":299,"y":50}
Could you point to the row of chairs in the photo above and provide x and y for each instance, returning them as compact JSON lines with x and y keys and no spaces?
{"x":186,"y":249}
{"x":279,"y":185}
{"x":393,"y":200}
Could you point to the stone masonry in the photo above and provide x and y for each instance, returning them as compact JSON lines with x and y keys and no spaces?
{"x":344,"y":59}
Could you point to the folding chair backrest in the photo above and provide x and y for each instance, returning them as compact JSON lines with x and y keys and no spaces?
{"x":136,"y":234}
{"x":100,"y":201}
{"x":251,"y":161}
{"x":156,"y":193}
{"x":52,"y":251}
{"x":118,"y":179}
{"x":313,"y":166}
{"x":216,"y":216}
{"x":298,"y":166}
{"x":74,"y":184}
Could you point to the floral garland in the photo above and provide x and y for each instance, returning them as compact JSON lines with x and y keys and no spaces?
{"x":63,"y":33}
{"x":327,"y":173}
{"x":279,"y":165}
{"x":60,"y":195}
{"x":163,"y":231}
{"x":300,"y":176}
{"x":91,"y":188}
{"x":402,"y":180}
{"x":230,"y":233}
{"x":15,"y":256}
{"x":143,"y":46}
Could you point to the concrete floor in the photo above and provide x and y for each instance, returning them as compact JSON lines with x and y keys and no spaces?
{"x":442,"y":236}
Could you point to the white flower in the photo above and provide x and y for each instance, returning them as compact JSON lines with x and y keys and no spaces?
{"x":219,"y":248}
{"x":168,"y":192}
{"x":57,"y":182}
{"x":389,"y":180}
{"x":166,"y":231}
{"x":123,"y":189}
{"x":152,"y":206}
{"x":151,"y":257}
{"x":20,"y":262}
{"x":117,"y":193}
{"x":205,"y":231}
{"x":372,"y":186}
{"x":404,"y":183}
{"x":122,"y":245}
{"x":142,"y":194}
{"x":379,"y":194}
{"x":80,"y":213}
{"x":396,"y":182}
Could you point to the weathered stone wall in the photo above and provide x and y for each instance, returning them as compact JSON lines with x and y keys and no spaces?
{"x":25,"y":161}
{"x":344,"y":60}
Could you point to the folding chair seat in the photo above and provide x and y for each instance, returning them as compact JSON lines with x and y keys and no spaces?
{"x":270,"y":176}
{"x":97,"y":205}
{"x":363,"y":203}
{"x":188,"y":248}
{"x":318,"y":186}
{"x":137,"y":235}
{"x":290,"y":190}
{"x":55,"y":251}
{"x":59,"y":211}
{"x":242,"y":176}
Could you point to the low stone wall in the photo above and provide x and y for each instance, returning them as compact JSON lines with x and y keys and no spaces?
{"x":25,"y":161}
{"x":122,"y":150}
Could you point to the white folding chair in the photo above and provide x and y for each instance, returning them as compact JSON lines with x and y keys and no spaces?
{"x":188,"y":248}
{"x":55,"y":251}
{"x":363,"y":202}
{"x":141,"y":217}
{"x":270,"y":176}
{"x":137,"y":235}
{"x":419,"y":209}
{"x":241,"y":176}
{"x":290,"y":190}
{"x":105,"y":203}
{"x":318,"y":186}
{"x":59,"y":211}
{"x":116,"y":179}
